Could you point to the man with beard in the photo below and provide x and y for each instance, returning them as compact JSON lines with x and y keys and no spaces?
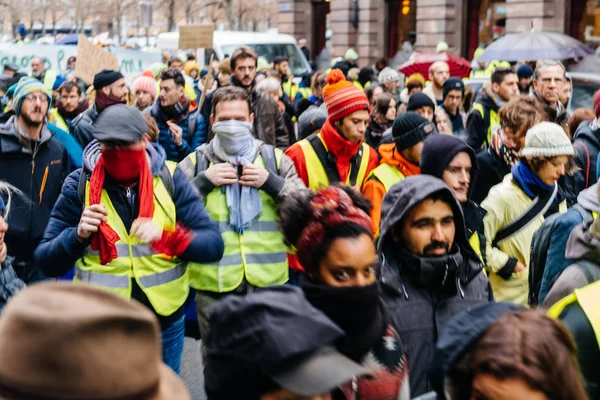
{"x":39,"y":72}
{"x":439,"y":72}
{"x":181,"y":126}
{"x":428,"y":271}
{"x":35,"y":163}
{"x":70,"y":105}
{"x":269,"y":125}
{"x":110,"y":89}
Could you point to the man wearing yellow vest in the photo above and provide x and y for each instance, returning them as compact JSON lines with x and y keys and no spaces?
{"x":337,"y":153}
{"x":398,"y":160}
{"x":453,"y":161}
{"x":242,"y":180}
{"x":484,"y":114}
{"x":131,"y":225}
{"x":69,"y":106}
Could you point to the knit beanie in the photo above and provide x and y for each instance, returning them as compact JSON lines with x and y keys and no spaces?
{"x":524,"y":71}
{"x":410,"y":129}
{"x":388,"y":75}
{"x":442,"y":46}
{"x":106,"y":77}
{"x":351,"y":55}
{"x":453,"y":84}
{"x":145,"y":84}
{"x":157,"y":68}
{"x":547,"y":139}
{"x":58,"y":82}
{"x":439,"y":151}
{"x":417,"y":77}
{"x":148,"y":73}
{"x":342,"y":97}
{"x":418,"y":100}
{"x":311,"y":120}
{"x":26,"y":86}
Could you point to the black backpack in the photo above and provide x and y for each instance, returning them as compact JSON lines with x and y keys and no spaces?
{"x":539,"y":251}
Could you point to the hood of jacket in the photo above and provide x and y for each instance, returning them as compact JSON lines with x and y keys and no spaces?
{"x":19,"y":140}
{"x":588,"y":198}
{"x":404,"y":196}
{"x":460,"y":332}
{"x":154,"y":152}
{"x":439,"y":151}
{"x":583,"y":244}
{"x":587,"y":133}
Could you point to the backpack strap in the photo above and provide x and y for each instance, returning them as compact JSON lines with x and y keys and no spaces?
{"x":590,"y":269}
{"x":167,"y":178}
{"x":81,"y":188}
{"x":540,"y":205}
{"x":587,"y":162}
{"x":201,"y":161}
{"x":355,"y":165}
{"x":192,"y":123}
{"x":326,"y":158}
{"x":486,"y":121}
{"x":267,"y":153}
{"x":587,"y":216}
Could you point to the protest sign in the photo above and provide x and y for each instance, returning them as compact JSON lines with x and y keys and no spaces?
{"x":196,"y":36}
{"x":92,"y":59}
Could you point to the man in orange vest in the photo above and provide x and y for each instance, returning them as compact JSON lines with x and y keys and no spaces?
{"x":338,"y":153}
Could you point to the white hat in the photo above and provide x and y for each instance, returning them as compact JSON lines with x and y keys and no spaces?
{"x":442,"y":46}
{"x":547,"y":139}
{"x":388,"y":75}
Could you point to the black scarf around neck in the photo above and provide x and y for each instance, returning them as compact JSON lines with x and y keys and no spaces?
{"x":359,"y":311}
{"x":438,"y":274}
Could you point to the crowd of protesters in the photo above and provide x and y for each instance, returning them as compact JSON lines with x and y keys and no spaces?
{"x":351,"y":233}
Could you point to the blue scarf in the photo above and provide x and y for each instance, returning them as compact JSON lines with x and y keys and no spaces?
{"x":528,"y":181}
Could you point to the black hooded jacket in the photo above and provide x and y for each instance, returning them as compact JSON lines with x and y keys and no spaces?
{"x":438,"y":152}
{"x":417,"y":311}
{"x":477,"y":125}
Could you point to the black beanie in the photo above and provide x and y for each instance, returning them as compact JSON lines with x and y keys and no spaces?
{"x":452,"y":84}
{"x":410,"y":129}
{"x":439,"y":151}
{"x":106,"y":77}
{"x":418,"y":100}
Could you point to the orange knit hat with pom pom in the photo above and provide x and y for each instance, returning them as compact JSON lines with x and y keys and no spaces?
{"x":341,"y":97}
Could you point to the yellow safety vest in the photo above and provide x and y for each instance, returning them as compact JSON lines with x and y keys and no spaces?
{"x":58,"y":120}
{"x":317,"y":175}
{"x":494,"y":119}
{"x":305,"y":92}
{"x":479,"y":73}
{"x":162,"y":278}
{"x":290,"y":89}
{"x":588,"y":298}
{"x":361,"y":87}
{"x":259,"y":254}
{"x":388,"y":176}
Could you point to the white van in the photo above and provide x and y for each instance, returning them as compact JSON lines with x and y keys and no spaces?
{"x":266,"y":44}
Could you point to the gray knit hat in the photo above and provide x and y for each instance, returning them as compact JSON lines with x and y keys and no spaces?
{"x":388,"y":75}
{"x":311,"y":120}
{"x":547,"y":139}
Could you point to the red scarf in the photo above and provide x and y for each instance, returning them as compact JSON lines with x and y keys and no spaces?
{"x":122,"y":165}
{"x":341,"y":148}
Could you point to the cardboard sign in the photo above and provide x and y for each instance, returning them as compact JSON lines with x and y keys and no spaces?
{"x":92,"y":59}
{"x":196,"y":36}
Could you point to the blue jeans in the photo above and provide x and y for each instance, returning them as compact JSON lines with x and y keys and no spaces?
{"x":172,"y":344}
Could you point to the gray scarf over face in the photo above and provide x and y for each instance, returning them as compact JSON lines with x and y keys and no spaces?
{"x":234,"y":143}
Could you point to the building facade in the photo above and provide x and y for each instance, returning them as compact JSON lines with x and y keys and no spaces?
{"x":380,"y":28}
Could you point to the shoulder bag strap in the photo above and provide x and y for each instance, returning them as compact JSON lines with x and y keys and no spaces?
{"x":325,"y":157}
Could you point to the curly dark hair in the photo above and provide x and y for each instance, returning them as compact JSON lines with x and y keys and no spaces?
{"x":174,"y":74}
{"x":296,"y":212}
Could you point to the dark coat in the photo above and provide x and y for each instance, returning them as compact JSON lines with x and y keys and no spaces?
{"x":491,"y":171}
{"x":81,"y":127}
{"x":37,"y":169}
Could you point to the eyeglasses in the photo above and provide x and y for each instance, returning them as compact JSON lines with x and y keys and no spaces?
{"x":34,"y":98}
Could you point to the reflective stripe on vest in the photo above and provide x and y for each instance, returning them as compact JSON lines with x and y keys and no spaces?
{"x":162,"y":278}
{"x":317,"y":177}
{"x":588,"y":298}
{"x":494,"y":120}
{"x":387,"y":175}
{"x":259,"y":255}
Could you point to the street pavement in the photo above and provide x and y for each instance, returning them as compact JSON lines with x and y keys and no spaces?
{"x":192,"y":370}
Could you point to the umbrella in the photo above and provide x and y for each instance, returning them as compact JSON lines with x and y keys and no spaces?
{"x":534,"y":45}
{"x":68,"y":39}
{"x":589,"y":64}
{"x":420,"y":62}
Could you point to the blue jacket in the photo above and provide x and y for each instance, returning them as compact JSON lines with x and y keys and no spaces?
{"x":556,"y":261}
{"x":74,"y":150}
{"x":190,"y":140}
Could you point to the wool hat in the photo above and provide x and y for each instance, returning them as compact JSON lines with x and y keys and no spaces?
{"x":11,"y":66}
{"x":442,"y":46}
{"x":417,"y":77}
{"x":148,"y":73}
{"x":478,"y":52}
{"x":58,"y":82}
{"x":547,"y":139}
{"x":418,"y":100}
{"x":342,"y":97}
{"x":120,"y":122}
{"x":410,"y":129}
{"x":388,"y":75}
{"x":26,"y":86}
{"x":351,"y":55}
{"x":524,"y":71}
{"x":145,"y":84}
{"x":311,"y":120}
{"x":106,"y":77}
{"x":60,"y":340}
{"x":439,"y":151}
{"x":453,"y":84}
{"x":157,"y":68}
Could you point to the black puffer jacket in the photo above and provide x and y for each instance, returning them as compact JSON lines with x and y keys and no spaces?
{"x":81,"y":127}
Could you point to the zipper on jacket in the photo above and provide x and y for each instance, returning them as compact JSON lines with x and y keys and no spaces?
{"x":43,"y":186}
{"x":355,"y":388}
{"x":128,"y":193}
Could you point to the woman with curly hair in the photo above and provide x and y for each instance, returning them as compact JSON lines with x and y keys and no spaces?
{"x":333,"y":236}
